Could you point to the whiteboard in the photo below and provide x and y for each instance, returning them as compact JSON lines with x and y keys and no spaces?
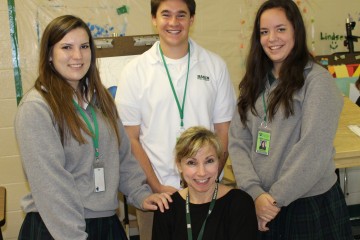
{"x":110,"y":69}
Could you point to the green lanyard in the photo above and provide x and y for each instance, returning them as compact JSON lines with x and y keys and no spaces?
{"x":95,"y":133}
{"x":264,"y":105}
{"x":180,"y":108}
{"x":188,"y":219}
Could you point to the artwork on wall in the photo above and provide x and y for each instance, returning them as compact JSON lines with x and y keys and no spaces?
{"x":345,"y":68}
{"x":232,"y":28}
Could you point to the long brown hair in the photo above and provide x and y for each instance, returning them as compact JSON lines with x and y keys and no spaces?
{"x":57,"y":91}
{"x":258,"y":65}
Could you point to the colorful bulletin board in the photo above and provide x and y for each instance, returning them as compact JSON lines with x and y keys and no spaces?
{"x":345,"y":68}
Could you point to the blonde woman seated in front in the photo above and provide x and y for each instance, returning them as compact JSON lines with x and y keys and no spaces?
{"x":205,"y":209}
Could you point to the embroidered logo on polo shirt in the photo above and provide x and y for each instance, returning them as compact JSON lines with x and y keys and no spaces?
{"x":202,"y":77}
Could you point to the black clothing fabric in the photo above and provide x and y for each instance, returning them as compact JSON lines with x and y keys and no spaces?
{"x":233,"y":217}
{"x":107,"y":228}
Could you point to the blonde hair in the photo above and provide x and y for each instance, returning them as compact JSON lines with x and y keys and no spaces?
{"x":193,"y":139}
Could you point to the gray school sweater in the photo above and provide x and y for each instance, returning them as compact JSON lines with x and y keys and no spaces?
{"x":300,"y":162}
{"x":61,"y":177}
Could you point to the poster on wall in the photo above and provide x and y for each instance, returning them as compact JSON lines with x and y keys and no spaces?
{"x":345,"y":76}
{"x":110,"y":69}
{"x":105,"y":18}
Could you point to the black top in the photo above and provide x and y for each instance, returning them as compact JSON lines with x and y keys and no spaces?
{"x":233,"y":217}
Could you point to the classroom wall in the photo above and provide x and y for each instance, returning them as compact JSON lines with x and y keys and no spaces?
{"x":11,"y":175}
{"x":224,"y":27}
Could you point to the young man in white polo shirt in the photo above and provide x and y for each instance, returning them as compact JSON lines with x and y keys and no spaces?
{"x":174,"y":85}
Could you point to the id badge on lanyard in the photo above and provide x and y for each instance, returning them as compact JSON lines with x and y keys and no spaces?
{"x":99,"y":177}
{"x":98,"y":166}
{"x":264,"y":133}
{"x":263,"y":139}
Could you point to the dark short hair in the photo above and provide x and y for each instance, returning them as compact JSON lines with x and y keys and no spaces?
{"x":156,"y":3}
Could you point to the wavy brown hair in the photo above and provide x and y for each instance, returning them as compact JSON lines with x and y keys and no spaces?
{"x":57,"y":91}
{"x":258,"y":65}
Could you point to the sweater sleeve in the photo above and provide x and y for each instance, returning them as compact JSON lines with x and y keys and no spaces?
{"x":311,"y":157}
{"x":240,"y":147}
{"x":52,"y":186}
{"x":132,"y":178}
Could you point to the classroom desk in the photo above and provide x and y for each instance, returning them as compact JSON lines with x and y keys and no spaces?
{"x":347,"y":143}
{"x":2,"y":208}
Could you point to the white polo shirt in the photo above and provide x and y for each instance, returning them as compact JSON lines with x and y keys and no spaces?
{"x":144,"y":97}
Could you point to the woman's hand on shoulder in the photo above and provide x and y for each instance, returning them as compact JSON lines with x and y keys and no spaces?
{"x":157,"y":201}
